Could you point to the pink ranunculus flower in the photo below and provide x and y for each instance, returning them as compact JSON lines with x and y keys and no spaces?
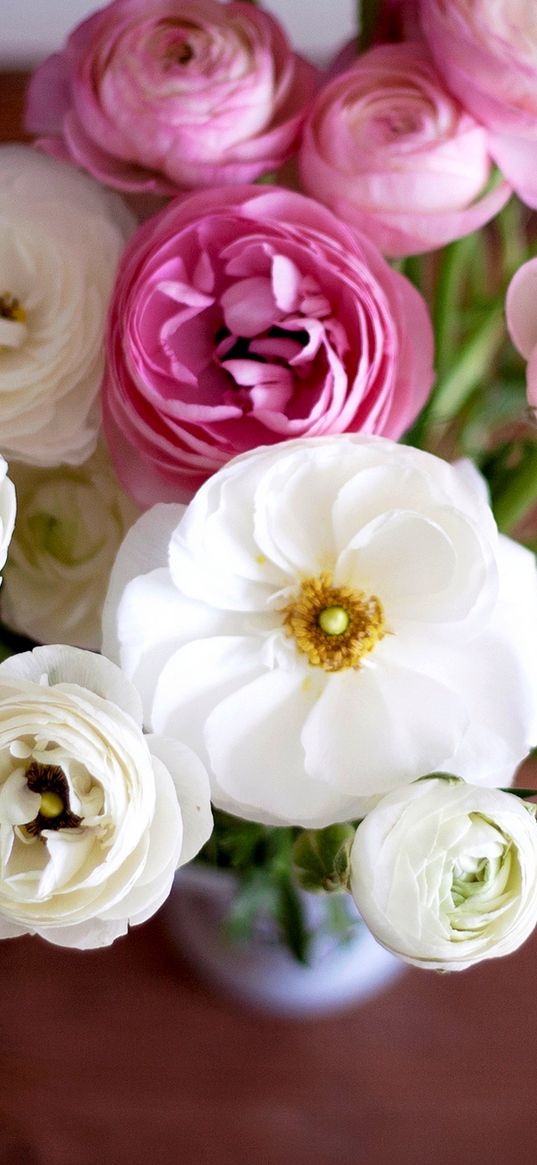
{"x":161,"y":95}
{"x":395,"y":155}
{"x":521,"y":314}
{"x":487,"y":53}
{"x":246,"y":316}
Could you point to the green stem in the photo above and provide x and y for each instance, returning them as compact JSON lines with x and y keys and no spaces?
{"x":512,"y":226}
{"x":412,"y":268}
{"x":446,"y":311}
{"x":368,"y":12}
{"x":463,"y":376}
{"x":469,"y":367}
{"x":519,"y":494}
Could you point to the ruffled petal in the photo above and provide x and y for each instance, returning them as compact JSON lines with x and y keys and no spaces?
{"x":192,"y":790}
{"x":71,"y":665}
{"x":197,"y":678}
{"x":254,"y":739}
{"x":380,"y":727}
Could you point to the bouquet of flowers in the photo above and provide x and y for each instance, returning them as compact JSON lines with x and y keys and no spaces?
{"x":268,"y":341}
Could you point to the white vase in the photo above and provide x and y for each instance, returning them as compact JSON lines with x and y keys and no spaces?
{"x":262,"y":972}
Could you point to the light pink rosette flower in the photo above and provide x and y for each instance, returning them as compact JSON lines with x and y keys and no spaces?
{"x":521,"y":313}
{"x":247,"y":316}
{"x":394,"y":154}
{"x":487,"y":53}
{"x":165,"y":94}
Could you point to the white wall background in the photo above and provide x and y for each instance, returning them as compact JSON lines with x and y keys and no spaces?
{"x":30,"y":29}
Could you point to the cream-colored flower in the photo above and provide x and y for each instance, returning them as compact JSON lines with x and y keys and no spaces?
{"x":329,"y":619}
{"x":61,"y":237}
{"x":70,"y":523}
{"x":94,"y":817}
{"x":445,"y":874}
{"x":8,"y":508}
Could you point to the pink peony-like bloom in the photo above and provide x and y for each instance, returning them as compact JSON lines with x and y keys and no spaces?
{"x":246,"y":316}
{"x":161,"y":95}
{"x":521,"y":314}
{"x":487,"y":53}
{"x":395,"y":155}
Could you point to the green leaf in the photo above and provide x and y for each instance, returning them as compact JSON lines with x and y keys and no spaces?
{"x":514,"y":493}
{"x":291,"y":919}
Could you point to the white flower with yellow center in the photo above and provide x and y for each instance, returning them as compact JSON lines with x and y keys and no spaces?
{"x":61,"y":237}
{"x":329,"y":619}
{"x":95,"y":817}
{"x":445,"y":874}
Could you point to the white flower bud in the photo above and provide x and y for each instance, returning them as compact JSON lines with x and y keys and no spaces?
{"x":445,"y":874}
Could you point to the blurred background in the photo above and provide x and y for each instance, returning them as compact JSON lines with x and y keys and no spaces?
{"x":126,"y":1056}
{"x":30,"y":29}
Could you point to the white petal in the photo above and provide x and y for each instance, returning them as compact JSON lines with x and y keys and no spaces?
{"x":18,"y":804}
{"x":71,"y":665}
{"x":68,"y":852}
{"x":144,"y":548}
{"x":425,"y":567}
{"x":293,"y":508}
{"x":502,"y":710}
{"x":153,"y":619}
{"x":256,"y":751}
{"x":197,"y":678}
{"x":379,"y":727}
{"x":10,"y":929}
{"x":84,"y":936}
{"x":214,"y":555}
{"x":192,"y":789}
{"x":376,"y":490}
{"x":165,"y":840}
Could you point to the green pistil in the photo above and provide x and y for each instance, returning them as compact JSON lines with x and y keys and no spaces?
{"x":333,"y":620}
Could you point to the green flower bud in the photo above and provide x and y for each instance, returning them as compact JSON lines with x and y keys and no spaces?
{"x":321,"y":858}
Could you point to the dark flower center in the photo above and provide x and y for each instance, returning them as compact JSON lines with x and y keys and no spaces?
{"x":184,"y":53}
{"x":54,"y":811}
{"x":10,"y":308}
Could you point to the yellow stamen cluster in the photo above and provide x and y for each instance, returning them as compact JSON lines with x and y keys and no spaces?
{"x":334,"y":626}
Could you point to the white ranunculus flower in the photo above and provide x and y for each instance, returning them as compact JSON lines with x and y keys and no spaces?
{"x":329,"y":619}
{"x":61,"y":236}
{"x":70,"y":523}
{"x":8,"y":507}
{"x":94,"y":817}
{"x":445,"y":874}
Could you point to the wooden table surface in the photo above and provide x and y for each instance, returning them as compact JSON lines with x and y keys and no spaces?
{"x":121,"y":1056}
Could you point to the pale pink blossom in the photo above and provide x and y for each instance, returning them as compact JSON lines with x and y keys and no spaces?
{"x":487,"y":53}
{"x":161,"y":95}
{"x":395,"y":155}
{"x":247,"y":316}
{"x":521,"y":313}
